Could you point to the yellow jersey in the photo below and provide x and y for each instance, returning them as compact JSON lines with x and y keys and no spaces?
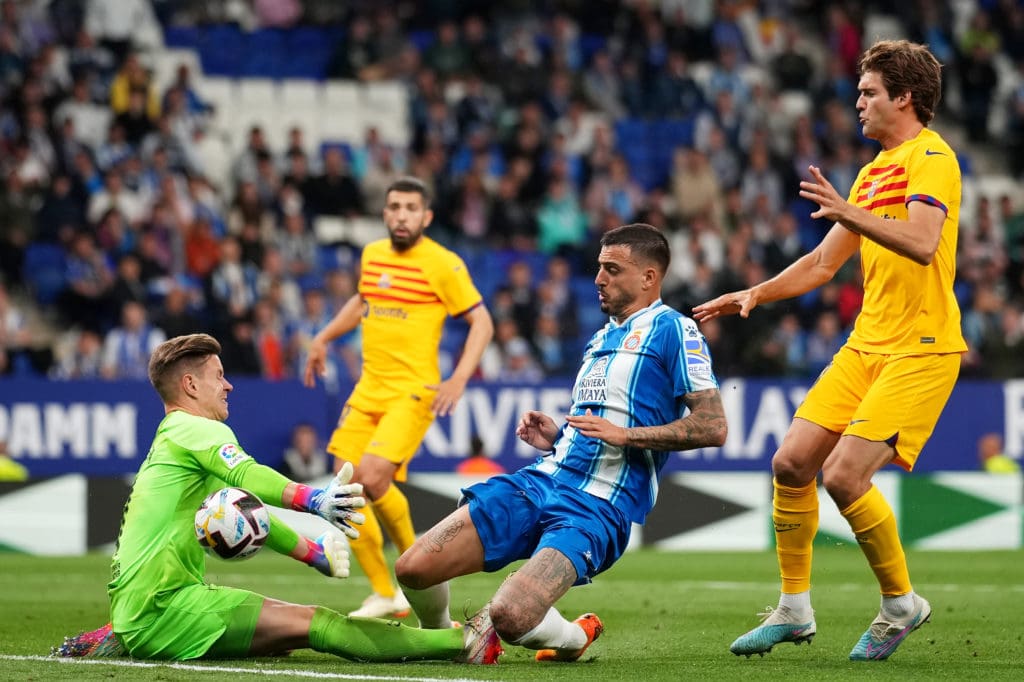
{"x":407,"y":296}
{"x":909,"y":308}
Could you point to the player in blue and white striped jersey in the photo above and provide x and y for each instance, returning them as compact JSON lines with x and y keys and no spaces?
{"x":645,"y":388}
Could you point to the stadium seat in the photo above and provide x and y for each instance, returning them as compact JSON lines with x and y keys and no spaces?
{"x":363,"y":230}
{"x":330,"y":229}
{"x":300,"y":92}
{"x":44,"y":271}
{"x":311,"y":39}
{"x":387,"y":96}
{"x":631,"y":133}
{"x":387,"y":109}
{"x":222,"y":50}
{"x":257,"y":92}
{"x":181,"y":36}
{"x":265,"y":54}
{"x":344,"y":94}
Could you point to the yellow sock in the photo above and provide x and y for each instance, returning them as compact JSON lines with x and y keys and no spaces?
{"x":368,"y":549}
{"x":795,"y":514}
{"x":874,"y":525}
{"x":393,"y":510}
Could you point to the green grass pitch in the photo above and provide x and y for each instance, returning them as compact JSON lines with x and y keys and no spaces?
{"x":667,"y":616}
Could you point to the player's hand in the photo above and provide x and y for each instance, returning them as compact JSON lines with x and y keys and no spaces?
{"x":334,"y":561}
{"x":741,"y":302}
{"x":589,"y":424}
{"x":337,"y":501}
{"x":447,"y":397}
{"x":819,"y":190}
{"x":538,"y":430}
{"x":316,"y":362}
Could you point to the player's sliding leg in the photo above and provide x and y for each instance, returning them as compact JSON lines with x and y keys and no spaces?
{"x":589,"y":623}
{"x":902,"y":611}
{"x":375,"y":640}
{"x":795,"y":517}
{"x":542,"y":581}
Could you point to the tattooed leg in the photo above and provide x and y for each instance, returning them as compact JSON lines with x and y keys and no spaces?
{"x":525,"y":598}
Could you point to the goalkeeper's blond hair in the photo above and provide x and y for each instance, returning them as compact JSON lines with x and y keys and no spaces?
{"x":177,"y":356}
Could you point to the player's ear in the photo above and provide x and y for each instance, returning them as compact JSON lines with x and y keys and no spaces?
{"x":187,"y":384}
{"x":650,"y":277}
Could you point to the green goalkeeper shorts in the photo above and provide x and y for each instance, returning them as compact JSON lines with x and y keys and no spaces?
{"x":200,"y":621}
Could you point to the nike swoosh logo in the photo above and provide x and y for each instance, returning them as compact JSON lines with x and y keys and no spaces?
{"x":782,"y":528}
{"x":929,"y":152}
{"x":885,"y":648}
{"x":858,"y":421}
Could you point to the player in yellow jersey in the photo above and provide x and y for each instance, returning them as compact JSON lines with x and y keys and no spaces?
{"x":882,"y":395}
{"x":409,"y":285}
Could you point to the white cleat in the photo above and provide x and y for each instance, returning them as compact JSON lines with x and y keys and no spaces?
{"x":379,"y":606}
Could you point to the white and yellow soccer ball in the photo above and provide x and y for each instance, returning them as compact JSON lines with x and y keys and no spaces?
{"x":232,"y":523}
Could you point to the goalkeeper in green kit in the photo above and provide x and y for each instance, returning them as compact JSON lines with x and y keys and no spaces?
{"x":160,"y":605}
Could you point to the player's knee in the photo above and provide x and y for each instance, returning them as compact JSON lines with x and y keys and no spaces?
{"x":510,"y":619}
{"x":843,"y":487}
{"x":412,"y":573}
{"x":790,"y":470}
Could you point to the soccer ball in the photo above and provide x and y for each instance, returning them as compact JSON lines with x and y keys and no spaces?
{"x":232,"y":523}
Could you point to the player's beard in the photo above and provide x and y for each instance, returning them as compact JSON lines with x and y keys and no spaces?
{"x":407,"y":241}
{"x":614,"y":305}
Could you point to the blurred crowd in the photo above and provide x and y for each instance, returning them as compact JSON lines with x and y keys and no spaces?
{"x":115,"y":233}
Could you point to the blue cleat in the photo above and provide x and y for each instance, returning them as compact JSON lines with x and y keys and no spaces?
{"x":779,"y":625}
{"x":884,"y":636}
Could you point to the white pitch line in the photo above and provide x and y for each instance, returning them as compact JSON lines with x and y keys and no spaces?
{"x":225,"y":669}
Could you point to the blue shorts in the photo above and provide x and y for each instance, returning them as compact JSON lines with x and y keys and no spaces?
{"x":516,"y":515}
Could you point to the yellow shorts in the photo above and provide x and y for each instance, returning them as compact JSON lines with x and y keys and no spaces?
{"x":891,"y":398}
{"x":395,"y":433}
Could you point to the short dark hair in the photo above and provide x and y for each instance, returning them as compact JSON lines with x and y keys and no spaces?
{"x":177,"y":356}
{"x":409,"y":183}
{"x":906,"y":67}
{"x":644,"y":241}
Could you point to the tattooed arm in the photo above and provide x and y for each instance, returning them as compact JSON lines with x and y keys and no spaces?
{"x":703,"y":427}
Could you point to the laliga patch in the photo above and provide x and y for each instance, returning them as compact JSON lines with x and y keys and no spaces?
{"x":698,"y":359}
{"x":231,"y":455}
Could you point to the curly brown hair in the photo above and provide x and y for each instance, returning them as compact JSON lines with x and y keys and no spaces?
{"x":906,"y":67}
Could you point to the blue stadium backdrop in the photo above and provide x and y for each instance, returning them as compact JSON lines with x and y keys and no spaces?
{"x":104,"y":428}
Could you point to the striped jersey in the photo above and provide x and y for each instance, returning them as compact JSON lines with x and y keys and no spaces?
{"x":407,"y":295}
{"x":908,"y":307}
{"x":633,"y":374}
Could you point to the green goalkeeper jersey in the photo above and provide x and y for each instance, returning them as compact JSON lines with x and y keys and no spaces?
{"x":157,"y":552}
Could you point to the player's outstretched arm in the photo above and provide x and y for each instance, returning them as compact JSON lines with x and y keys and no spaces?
{"x":336,"y":502}
{"x":802,"y":275}
{"x":326,"y":554}
{"x":703,"y":427}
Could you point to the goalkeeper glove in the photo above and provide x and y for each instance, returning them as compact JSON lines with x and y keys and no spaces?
{"x":335,"y":503}
{"x":328,"y":555}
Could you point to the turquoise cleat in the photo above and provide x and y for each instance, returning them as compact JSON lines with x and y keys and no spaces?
{"x":779,"y":625}
{"x":884,"y":636}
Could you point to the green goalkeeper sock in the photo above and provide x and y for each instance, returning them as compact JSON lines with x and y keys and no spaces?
{"x":373,"y":640}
